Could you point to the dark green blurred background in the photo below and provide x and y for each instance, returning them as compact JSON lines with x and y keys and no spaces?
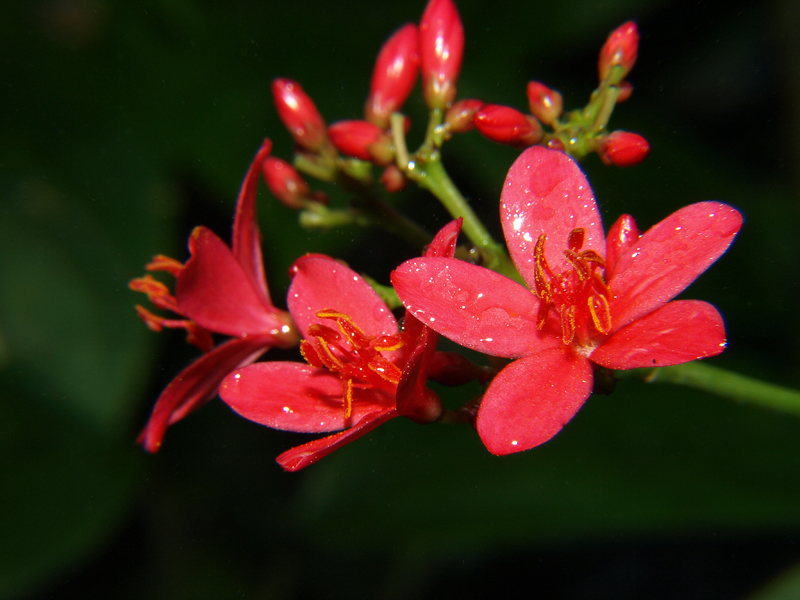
{"x":124,"y":125}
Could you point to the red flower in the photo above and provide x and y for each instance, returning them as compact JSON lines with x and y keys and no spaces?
{"x":218,"y":290}
{"x":362,"y":370}
{"x":592,"y":300}
{"x":441,"y":42}
{"x":394,"y":75}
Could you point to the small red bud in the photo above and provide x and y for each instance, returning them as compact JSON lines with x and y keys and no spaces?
{"x":393,"y":179}
{"x":298,"y":113}
{"x":507,"y":125}
{"x":621,"y":48}
{"x":363,"y":140}
{"x":623,"y":148}
{"x":625,"y":91}
{"x":441,"y":41}
{"x":285,"y":183}
{"x":555,"y":144}
{"x":394,"y":75}
{"x":624,"y":234}
{"x":459,"y":117}
{"x":546,"y":104}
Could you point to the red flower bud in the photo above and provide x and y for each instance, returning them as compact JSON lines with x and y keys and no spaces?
{"x":394,"y":75}
{"x":298,"y":113}
{"x":623,"y":148}
{"x":393,"y":179}
{"x":363,"y":140}
{"x":621,"y":48}
{"x":507,"y":125}
{"x":459,"y":117}
{"x":625,"y":91}
{"x":285,"y":183}
{"x":546,"y":104}
{"x":441,"y":41}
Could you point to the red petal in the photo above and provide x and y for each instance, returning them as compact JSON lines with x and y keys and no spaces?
{"x":296,"y":397}
{"x":413,"y":398}
{"x":307,"y":454}
{"x":197,"y":384}
{"x":214,"y":291}
{"x":546,"y":192}
{"x":444,"y":244}
{"x":319,"y":282}
{"x":532,"y":399}
{"x":472,"y":306}
{"x":246,"y":235}
{"x":668,"y":257}
{"x":676,"y":333}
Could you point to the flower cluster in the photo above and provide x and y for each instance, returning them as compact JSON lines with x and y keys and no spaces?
{"x":591,"y":302}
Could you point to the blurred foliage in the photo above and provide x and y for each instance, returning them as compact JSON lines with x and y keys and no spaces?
{"x":124,"y":125}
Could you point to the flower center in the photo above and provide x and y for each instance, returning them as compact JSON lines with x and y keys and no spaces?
{"x":355,"y":356}
{"x":579,"y":295}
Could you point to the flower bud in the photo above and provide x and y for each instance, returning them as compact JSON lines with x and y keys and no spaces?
{"x":623,"y":148}
{"x":285,"y":183}
{"x":507,"y":125}
{"x":441,"y":41}
{"x":546,"y":104}
{"x":393,"y":179}
{"x":458,"y":117}
{"x":621,"y":48}
{"x":394,"y":75}
{"x":625,"y":91}
{"x":298,"y":113}
{"x":624,"y":234}
{"x":363,"y":140}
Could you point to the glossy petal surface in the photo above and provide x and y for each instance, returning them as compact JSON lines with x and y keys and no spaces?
{"x":296,"y":397}
{"x":197,"y":384}
{"x":678,"y":332}
{"x":302,"y":456}
{"x":319,"y":283}
{"x":532,"y":399}
{"x":668,"y":257}
{"x":214,"y":291}
{"x":473,"y":306}
{"x":546,"y":192}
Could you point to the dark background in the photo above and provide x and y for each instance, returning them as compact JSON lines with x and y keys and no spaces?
{"x":123,"y":125}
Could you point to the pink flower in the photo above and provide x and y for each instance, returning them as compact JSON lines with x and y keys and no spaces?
{"x":217,"y":290}
{"x":362,"y":370}
{"x":592,"y":300}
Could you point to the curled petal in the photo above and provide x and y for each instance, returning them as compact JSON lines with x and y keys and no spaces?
{"x":214,"y":291}
{"x":319,"y":283}
{"x":296,"y":397}
{"x":197,"y":384}
{"x":676,"y":333}
{"x":246,"y":242}
{"x":531,"y":399}
{"x":670,"y":256}
{"x":472,"y":306}
{"x":307,"y":454}
{"x":546,"y":192}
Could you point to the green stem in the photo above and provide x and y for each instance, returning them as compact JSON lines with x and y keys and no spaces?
{"x":722,"y":383}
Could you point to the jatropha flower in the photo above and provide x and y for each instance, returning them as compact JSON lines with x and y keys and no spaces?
{"x":220,"y":290}
{"x":592,"y":300}
{"x":362,"y":369}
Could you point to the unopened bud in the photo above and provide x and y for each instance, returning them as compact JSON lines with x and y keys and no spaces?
{"x":362,"y":140}
{"x":285,"y":183}
{"x":546,"y":104}
{"x":298,"y":113}
{"x":393,"y":179}
{"x":458,"y":117}
{"x":623,"y":149}
{"x":507,"y":125}
{"x":441,"y":41}
{"x":625,"y":91}
{"x":394,"y":75}
{"x":621,"y":48}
